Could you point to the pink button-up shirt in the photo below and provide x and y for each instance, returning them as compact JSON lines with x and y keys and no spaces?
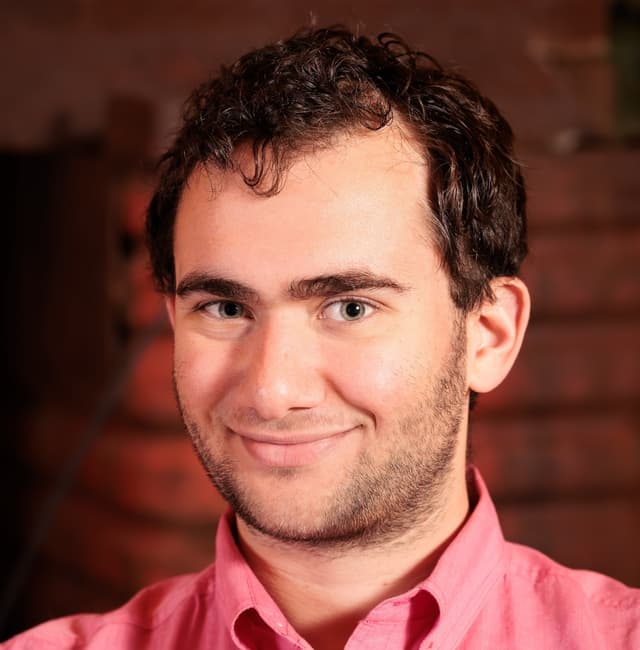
{"x":483,"y":593}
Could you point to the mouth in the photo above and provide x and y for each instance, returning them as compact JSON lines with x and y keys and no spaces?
{"x":292,"y":449}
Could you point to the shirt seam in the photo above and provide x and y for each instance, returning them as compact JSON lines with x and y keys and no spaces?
{"x":155,"y":622}
{"x":538,"y":575}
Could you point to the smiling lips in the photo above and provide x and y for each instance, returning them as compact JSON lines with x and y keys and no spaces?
{"x":290,"y":450}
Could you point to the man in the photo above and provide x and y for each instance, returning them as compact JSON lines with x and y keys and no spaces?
{"x":338,"y":229}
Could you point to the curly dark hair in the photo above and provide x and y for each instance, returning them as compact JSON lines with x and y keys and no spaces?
{"x":299,"y":93}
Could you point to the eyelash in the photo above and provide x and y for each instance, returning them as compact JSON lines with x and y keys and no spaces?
{"x":338,"y":301}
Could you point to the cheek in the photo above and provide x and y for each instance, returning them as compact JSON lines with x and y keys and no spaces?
{"x":202,"y":371}
{"x":380,"y":379}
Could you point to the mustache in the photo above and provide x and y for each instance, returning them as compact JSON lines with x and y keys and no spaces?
{"x":249,"y":418}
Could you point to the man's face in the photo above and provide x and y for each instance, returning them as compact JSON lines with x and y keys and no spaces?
{"x":319,"y":360}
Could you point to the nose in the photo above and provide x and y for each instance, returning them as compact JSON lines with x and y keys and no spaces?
{"x":282,"y":370}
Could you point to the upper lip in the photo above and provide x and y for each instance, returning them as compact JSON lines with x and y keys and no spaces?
{"x":290,"y":438}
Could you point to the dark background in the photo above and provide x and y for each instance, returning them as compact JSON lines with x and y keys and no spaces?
{"x":90,"y":93}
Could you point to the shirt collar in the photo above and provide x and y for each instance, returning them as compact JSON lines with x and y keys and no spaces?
{"x":468,"y":568}
{"x":465,"y":572}
{"x":238,"y":590}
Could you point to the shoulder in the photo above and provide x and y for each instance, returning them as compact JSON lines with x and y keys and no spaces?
{"x":166,"y":608}
{"x":590,"y":602}
{"x":528,"y":566}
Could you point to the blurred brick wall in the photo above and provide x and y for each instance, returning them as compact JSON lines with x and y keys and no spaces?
{"x":559,"y":442}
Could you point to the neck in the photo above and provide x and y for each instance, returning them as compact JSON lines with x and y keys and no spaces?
{"x":325,"y":592}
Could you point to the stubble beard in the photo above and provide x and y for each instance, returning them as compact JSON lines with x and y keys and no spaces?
{"x":377,"y":502}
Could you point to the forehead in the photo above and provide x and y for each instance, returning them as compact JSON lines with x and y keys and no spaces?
{"x":361,"y":200}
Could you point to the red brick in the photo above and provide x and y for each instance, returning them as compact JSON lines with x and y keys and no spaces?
{"x":558,"y":455}
{"x":585,"y":189}
{"x":145,"y":303}
{"x":149,"y":395}
{"x":570,"y":364}
{"x":130,"y":130}
{"x":133,"y":199}
{"x":70,"y":59}
{"x":124,"y":552}
{"x":157,"y":477}
{"x":602,"y":536}
{"x":584,"y":273}
{"x":55,"y":590}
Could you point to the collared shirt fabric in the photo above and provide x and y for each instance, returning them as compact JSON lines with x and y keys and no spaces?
{"x":484,"y":593}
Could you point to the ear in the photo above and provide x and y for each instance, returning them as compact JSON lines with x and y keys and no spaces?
{"x":170,"y":305}
{"x":494,"y":333}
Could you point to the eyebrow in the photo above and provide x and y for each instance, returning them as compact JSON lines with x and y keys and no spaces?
{"x":323,"y":286}
{"x":336,"y":283}
{"x":198,"y":282}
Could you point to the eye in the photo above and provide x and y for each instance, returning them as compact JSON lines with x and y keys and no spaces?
{"x":348,"y":310}
{"x":226,"y":309}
